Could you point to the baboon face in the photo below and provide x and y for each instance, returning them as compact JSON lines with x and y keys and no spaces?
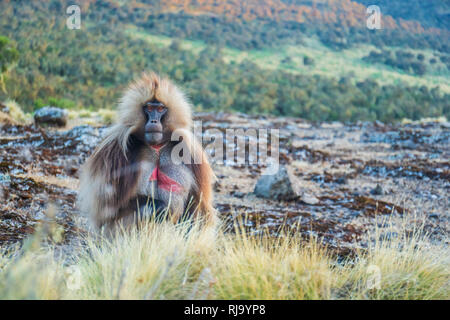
{"x":154,"y":129}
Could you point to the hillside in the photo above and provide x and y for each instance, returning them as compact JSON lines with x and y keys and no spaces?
{"x":276,"y":63}
{"x":258,"y":24}
{"x":397,"y":15}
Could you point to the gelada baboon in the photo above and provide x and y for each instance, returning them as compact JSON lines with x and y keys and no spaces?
{"x":149,"y":163}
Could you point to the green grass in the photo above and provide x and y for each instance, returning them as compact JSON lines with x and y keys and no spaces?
{"x":328,"y":62}
{"x":165,"y":261}
{"x":162,"y":41}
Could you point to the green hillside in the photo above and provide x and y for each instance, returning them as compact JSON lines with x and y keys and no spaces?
{"x":252,"y":66}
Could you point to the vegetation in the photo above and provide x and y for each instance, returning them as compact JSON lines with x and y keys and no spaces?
{"x":259,"y":34}
{"x":164,"y":261}
{"x":255,"y":24}
{"x":8,"y":55}
{"x":403,"y":60}
{"x":14,"y":110}
{"x":88,"y":68}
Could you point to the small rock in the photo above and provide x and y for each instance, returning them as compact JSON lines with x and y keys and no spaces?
{"x":356,"y":214}
{"x":4,"y":108}
{"x":341,"y":180}
{"x":377,"y":191}
{"x":378,"y":124}
{"x":279,"y":186}
{"x":51,"y":116}
{"x":238,"y":194}
{"x":309,"y":199}
{"x":433,"y":215}
{"x":5,"y":179}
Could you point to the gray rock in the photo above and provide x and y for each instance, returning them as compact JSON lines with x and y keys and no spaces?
{"x":238,"y":194}
{"x":5,"y":179}
{"x":51,"y":116}
{"x":279,"y":186}
{"x":309,"y":199}
{"x":377,"y":191}
{"x":341,"y":180}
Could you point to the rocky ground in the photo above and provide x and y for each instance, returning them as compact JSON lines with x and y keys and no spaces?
{"x":351,"y":176}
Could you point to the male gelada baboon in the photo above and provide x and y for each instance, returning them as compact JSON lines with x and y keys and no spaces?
{"x":149,"y":163}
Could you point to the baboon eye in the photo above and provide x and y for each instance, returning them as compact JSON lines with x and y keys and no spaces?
{"x":160,"y":109}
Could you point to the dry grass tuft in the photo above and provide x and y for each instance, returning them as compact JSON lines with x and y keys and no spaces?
{"x":165,"y":261}
{"x":16,"y":113}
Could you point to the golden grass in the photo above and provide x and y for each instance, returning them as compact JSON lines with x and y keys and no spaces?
{"x":165,"y":261}
{"x":16,"y":113}
{"x":81,"y":116}
{"x":6,"y":119}
{"x":408,"y":269}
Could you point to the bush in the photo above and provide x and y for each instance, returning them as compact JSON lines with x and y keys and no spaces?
{"x":16,"y":112}
{"x":308,"y":61}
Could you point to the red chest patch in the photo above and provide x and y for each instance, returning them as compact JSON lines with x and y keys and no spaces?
{"x":157,"y":147}
{"x":164,"y":181}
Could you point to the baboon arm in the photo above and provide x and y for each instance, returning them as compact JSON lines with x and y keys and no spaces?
{"x":203,"y":175}
{"x":204,"y":178}
{"x":108,"y":181}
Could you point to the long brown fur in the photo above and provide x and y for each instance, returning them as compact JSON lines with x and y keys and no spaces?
{"x":109,"y":178}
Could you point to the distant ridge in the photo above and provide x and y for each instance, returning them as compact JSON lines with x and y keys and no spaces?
{"x":345,"y":12}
